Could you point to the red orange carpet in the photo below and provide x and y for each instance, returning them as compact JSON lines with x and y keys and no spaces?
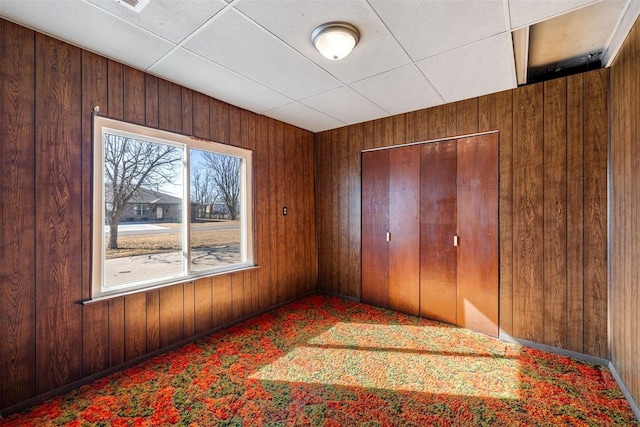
{"x":325,"y":361}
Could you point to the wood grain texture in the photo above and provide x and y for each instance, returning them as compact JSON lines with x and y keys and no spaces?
{"x":356,"y":138}
{"x":203,"y":305}
{"x":575,"y":214}
{"x":404,"y":221}
{"x":341,"y":143}
{"x":375,"y":224}
{"x":58,"y":217}
{"x":17,"y":215}
{"x":116,"y":332}
{"x":477,"y":226}
{"x":50,"y":168}
{"x":169,"y":106}
{"x":135,"y":326}
{"x":438,"y":219}
{"x":555,"y":212}
{"x":502,"y":119}
{"x":528,"y":205}
{"x":171,"y":315}
{"x":595,"y":213}
{"x":95,"y":317}
{"x":153,"y":320}
{"x":134,"y":95}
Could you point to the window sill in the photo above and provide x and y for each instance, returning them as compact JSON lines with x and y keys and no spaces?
{"x":191,"y":279}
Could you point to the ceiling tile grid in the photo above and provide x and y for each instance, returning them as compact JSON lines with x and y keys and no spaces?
{"x":258,"y":55}
{"x":239,"y":44}
{"x":473,"y":70}
{"x":399,"y":91}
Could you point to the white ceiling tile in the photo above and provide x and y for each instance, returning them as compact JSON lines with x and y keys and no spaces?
{"x":211,"y":79}
{"x":161,"y":17}
{"x":346,"y":105}
{"x":477,"y":69}
{"x":305,"y":117}
{"x":85,"y":25}
{"x":527,"y":12}
{"x":399,"y":91}
{"x":293,"y":21}
{"x":429,"y":27}
{"x":238,"y":44}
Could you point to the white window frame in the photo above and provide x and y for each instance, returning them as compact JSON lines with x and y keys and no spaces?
{"x":102,"y":124}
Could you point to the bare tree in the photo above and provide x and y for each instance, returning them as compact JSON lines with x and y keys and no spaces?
{"x":130,"y":164}
{"x":202,"y":190}
{"x":225,"y":174}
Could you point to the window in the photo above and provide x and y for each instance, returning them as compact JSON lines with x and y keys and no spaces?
{"x":166,"y":208}
{"x":140,"y":209}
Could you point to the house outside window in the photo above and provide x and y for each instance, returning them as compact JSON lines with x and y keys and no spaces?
{"x":173,"y":208}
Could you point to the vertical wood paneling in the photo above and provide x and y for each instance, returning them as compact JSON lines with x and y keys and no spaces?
{"x":203,"y":305}
{"x":502,"y":119}
{"x":64,"y":340}
{"x":171,"y":315}
{"x":341,"y":145}
{"x":189,"y":309}
{"x":467,"y":116}
{"x":323,"y":207}
{"x":356,"y":137}
{"x":134,"y":96}
{"x":58,"y":217}
{"x":169,"y":106}
{"x":95,"y":317}
{"x":17,"y":214}
{"x":575,"y":214}
{"x":528,"y":203}
{"x":555,"y":213}
{"x":540,"y":200}
{"x":135,"y":326}
{"x":595,"y":213}
{"x":115,"y":85}
{"x":624,"y":208}
{"x":201,"y":120}
{"x":153,"y":320}
{"x":151,"y":101}
{"x":222,"y":300}
{"x":116,"y":332}
{"x":404,"y":247}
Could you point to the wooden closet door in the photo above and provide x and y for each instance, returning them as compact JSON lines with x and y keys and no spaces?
{"x":375,"y":224}
{"x":404,"y":226}
{"x":438,"y":217}
{"x":478,"y":233}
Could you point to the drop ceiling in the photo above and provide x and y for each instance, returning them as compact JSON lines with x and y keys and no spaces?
{"x":413,"y":54}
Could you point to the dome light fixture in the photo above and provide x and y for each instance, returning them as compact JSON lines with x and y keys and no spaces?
{"x":335,"y":40}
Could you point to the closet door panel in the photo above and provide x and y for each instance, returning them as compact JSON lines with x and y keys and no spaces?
{"x":478,"y":233}
{"x":404,"y":226}
{"x":438,"y":218}
{"x":375,"y":224}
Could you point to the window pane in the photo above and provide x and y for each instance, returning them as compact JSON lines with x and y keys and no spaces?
{"x":143,"y":210}
{"x":215,"y":210}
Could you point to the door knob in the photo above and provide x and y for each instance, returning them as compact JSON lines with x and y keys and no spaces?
{"x":388,"y":236}
{"x":455,"y":240}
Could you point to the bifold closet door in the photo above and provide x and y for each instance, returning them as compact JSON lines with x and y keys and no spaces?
{"x":404,"y":229}
{"x":375,"y":225}
{"x":477,"y":251}
{"x":438,"y":219}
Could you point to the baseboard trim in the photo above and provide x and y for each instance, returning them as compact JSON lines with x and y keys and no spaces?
{"x":555,"y":350}
{"x":26,"y":404}
{"x":341,"y":296}
{"x":625,"y":391}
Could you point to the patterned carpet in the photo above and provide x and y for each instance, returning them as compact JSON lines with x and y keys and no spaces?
{"x":325,"y":361}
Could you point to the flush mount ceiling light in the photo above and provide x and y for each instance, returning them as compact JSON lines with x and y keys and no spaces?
{"x":335,"y":40}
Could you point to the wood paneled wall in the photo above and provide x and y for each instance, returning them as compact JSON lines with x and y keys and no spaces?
{"x":553,"y":202}
{"x":48,"y":338}
{"x":625,"y":212}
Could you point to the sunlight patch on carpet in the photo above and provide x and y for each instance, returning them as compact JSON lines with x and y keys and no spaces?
{"x":393,"y":357}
